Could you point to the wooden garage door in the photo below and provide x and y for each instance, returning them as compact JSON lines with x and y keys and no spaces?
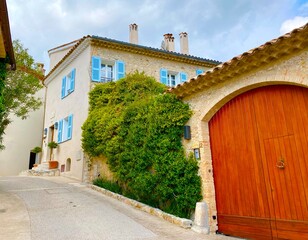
{"x":259,"y":143}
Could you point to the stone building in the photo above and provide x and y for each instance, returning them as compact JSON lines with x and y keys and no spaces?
{"x":250,"y":132}
{"x":77,"y":66}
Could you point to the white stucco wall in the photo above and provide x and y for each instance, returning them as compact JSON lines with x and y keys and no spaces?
{"x":75,"y":103}
{"x":20,"y":137}
{"x":57,"y":54}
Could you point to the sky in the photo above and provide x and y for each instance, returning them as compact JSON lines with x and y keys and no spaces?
{"x":217,"y":29}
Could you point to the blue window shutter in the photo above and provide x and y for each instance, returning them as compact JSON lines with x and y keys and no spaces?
{"x":120,"y":70}
{"x":69,"y":127}
{"x":60,"y":128}
{"x":199,"y":71}
{"x":72,"y":83}
{"x":163,"y":76}
{"x":96,"y":69}
{"x":63,"y":87}
{"x":183,"y":77}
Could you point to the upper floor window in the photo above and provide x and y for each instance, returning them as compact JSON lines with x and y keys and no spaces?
{"x":68,"y":83}
{"x":199,"y":71}
{"x":106,"y":70}
{"x":171,"y":78}
{"x":65,"y":129}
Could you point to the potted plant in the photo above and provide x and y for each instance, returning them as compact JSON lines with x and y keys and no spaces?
{"x":37,"y":150}
{"x":52,"y":163}
{"x":52,"y":144}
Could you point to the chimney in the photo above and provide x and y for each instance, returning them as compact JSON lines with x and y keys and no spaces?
{"x":169,"y":42}
{"x":184,"y":43}
{"x":133,"y":33}
{"x":40,"y":67}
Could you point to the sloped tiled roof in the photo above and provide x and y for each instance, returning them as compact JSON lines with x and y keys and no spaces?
{"x":6,"y":47}
{"x":154,"y":51}
{"x":138,"y":49}
{"x":290,"y":43}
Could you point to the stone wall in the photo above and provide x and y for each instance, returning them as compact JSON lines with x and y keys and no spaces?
{"x":149,"y":65}
{"x":292,"y":70}
{"x":99,"y":168}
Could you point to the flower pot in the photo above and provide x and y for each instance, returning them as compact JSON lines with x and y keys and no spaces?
{"x":53,"y":164}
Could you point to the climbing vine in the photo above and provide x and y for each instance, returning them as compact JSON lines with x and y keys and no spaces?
{"x":139,"y":129}
{"x":3,"y":123}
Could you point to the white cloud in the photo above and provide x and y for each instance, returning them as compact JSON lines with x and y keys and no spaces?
{"x":290,"y":24}
{"x":218,"y":29}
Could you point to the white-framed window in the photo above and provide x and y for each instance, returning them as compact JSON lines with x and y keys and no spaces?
{"x":104,"y":70}
{"x":172,"y":78}
{"x":65,"y":128}
{"x":107,"y":72}
{"x":68,"y":83}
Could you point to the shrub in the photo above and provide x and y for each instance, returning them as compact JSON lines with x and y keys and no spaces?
{"x":109,"y":185}
{"x":139,"y":129}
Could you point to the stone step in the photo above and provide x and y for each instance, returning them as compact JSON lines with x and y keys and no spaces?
{"x":42,"y":166}
{"x":43,"y":173}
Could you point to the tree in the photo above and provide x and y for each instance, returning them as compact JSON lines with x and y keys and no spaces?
{"x":19,"y":88}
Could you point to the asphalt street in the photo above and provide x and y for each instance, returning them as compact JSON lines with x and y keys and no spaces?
{"x":35,"y":208}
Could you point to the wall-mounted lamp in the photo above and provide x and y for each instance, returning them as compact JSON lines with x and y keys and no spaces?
{"x":187,"y":134}
{"x":45,"y":131}
{"x":197,"y":153}
{"x":56,"y":125}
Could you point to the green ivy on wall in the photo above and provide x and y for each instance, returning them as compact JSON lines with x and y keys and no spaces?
{"x":3,"y":123}
{"x":139,"y":129}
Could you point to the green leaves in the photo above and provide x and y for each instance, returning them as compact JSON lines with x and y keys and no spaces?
{"x":139,"y":129}
{"x":18,"y":88}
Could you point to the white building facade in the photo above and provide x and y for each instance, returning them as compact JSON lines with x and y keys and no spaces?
{"x":94,"y":60}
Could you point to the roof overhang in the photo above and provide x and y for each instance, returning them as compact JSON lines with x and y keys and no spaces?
{"x":6,"y":47}
{"x":274,"y":50}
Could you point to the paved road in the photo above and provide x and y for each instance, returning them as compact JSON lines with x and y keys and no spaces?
{"x":34,"y":208}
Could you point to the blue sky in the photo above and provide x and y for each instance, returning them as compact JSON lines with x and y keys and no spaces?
{"x":217,"y":29}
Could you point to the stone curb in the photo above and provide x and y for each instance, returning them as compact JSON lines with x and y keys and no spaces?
{"x":41,"y":172}
{"x":182,"y":222}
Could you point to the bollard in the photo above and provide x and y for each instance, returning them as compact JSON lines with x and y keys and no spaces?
{"x":201,"y":223}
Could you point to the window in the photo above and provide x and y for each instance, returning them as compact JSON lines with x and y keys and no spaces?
{"x":68,"y":83}
{"x":107,"y":70}
{"x":65,"y":129}
{"x":171,"y":78}
{"x":106,"y":73}
{"x":199,"y":71}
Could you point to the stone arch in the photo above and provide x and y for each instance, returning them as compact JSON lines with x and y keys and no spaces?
{"x":221,"y":100}
{"x":206,"y":112}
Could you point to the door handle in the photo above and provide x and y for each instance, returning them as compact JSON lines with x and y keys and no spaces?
{"x":280,"y":163}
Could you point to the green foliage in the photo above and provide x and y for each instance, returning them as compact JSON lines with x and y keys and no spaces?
{"x":36,"y":149}
{"x":18,"y":88}
{"x":139,"y":129}
{"x":3,"y":122}
{"x":109,"y":185}
{"x":52,"y":144}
